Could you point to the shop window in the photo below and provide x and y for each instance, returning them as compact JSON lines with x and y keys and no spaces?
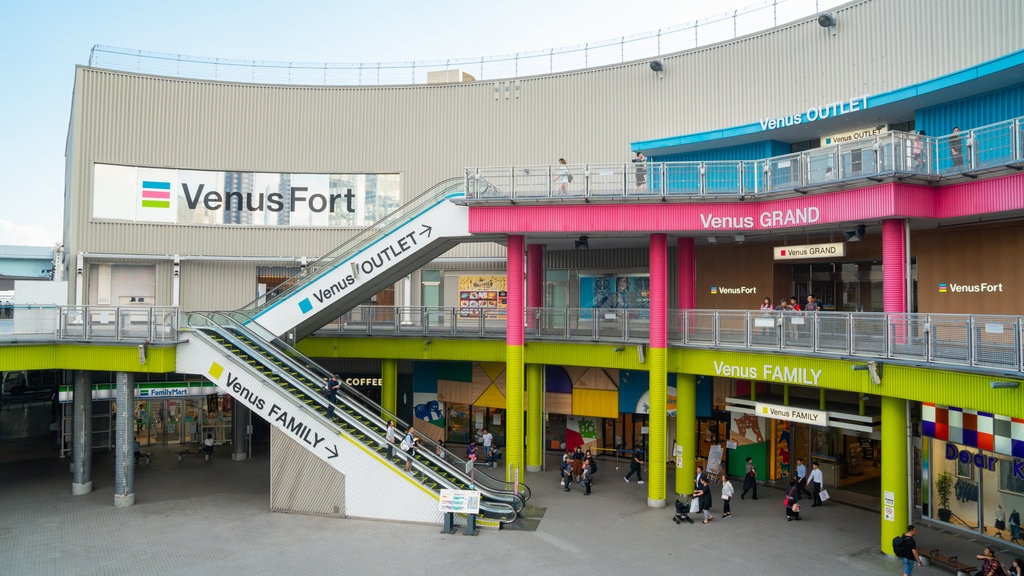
{"x":1008,"y":480}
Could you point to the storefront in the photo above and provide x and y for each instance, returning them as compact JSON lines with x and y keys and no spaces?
{"x":843,"y":441}
{"x":975,"y":468}
{"x":164,"y":413}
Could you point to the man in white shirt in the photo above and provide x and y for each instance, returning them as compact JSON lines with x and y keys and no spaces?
{"x":815,"y":480}
{"x":487,"y":439}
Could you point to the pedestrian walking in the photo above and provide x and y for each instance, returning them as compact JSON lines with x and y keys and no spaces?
{"x":634,"y":467}
{"x":749,"y":479}
{"x":727,"y":492}
{"x":815,"y":480}
{"x":905,"y":548}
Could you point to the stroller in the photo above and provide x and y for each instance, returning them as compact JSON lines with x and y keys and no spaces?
{"x":682,"y":509}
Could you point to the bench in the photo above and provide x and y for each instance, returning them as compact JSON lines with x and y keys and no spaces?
{"x":197,"y":452}
{"x":950,"y":562}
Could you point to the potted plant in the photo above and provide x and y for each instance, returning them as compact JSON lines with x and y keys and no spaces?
{"x":944,"y":485}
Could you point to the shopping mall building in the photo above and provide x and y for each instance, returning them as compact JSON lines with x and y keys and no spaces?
{"x":424,"y":242}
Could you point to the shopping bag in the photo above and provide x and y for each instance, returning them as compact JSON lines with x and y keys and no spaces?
{"x":824,"y":495}
{"x":694,"y":506}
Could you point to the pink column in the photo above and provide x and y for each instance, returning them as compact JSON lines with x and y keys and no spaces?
{"x":514,"y":313}
{"x":894,"y":266}
{"x":659,"y":290}
{"x":534,"y":281}
{"x":686,"y":293}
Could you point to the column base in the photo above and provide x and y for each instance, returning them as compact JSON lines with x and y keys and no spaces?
{"x":532,"y":468}
{"x":651,"y":503}
{"x":124,"y":501}
{"x":236,"y":457}
{"x":78,"y":489}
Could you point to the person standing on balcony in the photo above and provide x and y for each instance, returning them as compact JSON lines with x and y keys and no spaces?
{"x":812,"y":304}
{"x":563,"y":178}
{"x":956,"y":149}
{"x":641,"y":172}
{"x":766,"y":309}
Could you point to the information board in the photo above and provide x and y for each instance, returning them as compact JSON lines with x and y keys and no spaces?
{"x":459,"y":501}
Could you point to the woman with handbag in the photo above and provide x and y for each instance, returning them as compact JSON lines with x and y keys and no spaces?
{"x":792,"y":501}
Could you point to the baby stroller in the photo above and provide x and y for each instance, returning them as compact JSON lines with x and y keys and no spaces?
{"x":682,"y":508}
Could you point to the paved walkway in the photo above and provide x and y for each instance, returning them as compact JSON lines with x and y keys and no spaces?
{"x":198,"y":517}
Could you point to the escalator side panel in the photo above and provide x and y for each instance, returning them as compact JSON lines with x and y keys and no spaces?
{"x":367,"y":475}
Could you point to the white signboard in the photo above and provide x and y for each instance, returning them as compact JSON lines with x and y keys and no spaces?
{"x":828,"y":250}
{"x":793,"y":414}
{"x":443,"y":220}
{"x":212,"y":198}
{"x":459,"y":501}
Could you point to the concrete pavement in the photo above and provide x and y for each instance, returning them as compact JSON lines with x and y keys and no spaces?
{"x":196,"y":517}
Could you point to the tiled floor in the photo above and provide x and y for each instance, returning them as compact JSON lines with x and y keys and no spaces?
{"x":198,"y":517}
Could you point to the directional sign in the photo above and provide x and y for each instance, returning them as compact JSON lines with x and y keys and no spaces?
{"x":459,"y":501}
{"x":443,"y":220}
{"x":291,"y":419}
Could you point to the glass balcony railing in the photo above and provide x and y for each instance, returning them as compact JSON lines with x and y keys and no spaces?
{"x":892,"y":154}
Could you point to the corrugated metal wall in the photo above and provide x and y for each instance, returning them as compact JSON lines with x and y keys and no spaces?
{"x":428,"y":133}
{"x":972,"y":112}
{"x":301,"y":482}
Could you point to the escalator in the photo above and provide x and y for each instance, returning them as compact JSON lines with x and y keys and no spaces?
{"x":398,"y":244}
{"x":282,"y":386}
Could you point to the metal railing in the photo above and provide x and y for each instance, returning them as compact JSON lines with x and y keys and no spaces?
{"x":47,"y":322}
{"x":890,"y":154}
{"x":989,"y":342}
{"x":985,"y":342}
{"x":703,"y":32}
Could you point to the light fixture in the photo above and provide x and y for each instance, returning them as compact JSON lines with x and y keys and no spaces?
{"x":1004,"y":384}
{"x":657,"y":66}
{"x":640,"y":353}
{"x":582,"y":243}
{"x":865,"y":398}
{"x":855,"y":235}
{"x":873,"y":368}
{"x":827,"y":20}
{"x":712,"y":240}
{"x":740,"y":238}
{"x":620,"y":348}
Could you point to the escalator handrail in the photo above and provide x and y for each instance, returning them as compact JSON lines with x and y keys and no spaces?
{"x":503,"y":510}
{"x":370,"y":409}
{"x":440,"y":192}
{"x":496,"y":496}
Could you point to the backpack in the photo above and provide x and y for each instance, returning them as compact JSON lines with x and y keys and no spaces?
{"x":899,"y":546}
{"x":406,"y":442}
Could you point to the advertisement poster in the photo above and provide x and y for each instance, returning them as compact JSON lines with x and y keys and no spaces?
{"x":487,"y":293}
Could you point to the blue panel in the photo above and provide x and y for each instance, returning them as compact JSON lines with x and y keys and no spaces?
{"x":752,"y":151}
{"x":424,"y":377}
{"x":705,"y":392}
{"x":972,"y":112}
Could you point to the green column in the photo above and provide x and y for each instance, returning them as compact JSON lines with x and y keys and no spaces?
{"x":534,"y":417}
{"x":389,"y":386}
{"x":686,"y":430}
{"x":658,"y":422}
{"x":895,"y":471}
{"x":514,"y":387}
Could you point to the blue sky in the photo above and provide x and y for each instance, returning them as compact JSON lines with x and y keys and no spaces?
{"x":42,"y":42}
